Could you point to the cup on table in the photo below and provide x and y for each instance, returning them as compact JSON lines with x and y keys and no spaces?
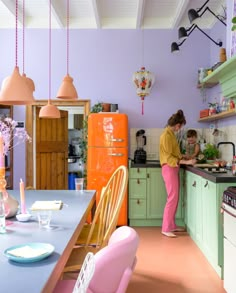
{"x":44,"y":218}
{"x":79,"y":184}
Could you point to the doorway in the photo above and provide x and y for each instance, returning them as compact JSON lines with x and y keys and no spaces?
{"x":45,"y":160}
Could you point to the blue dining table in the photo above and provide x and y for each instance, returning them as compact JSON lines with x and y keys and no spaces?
{"x":65,"y":227}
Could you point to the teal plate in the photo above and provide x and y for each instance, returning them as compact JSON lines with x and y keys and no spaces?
{"x":44,"y":249}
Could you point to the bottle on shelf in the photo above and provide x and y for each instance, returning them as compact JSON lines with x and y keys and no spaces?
{"x":2,"y":215}
{"x":234,"y":166}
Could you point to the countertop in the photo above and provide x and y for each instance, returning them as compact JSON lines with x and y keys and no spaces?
{"x":213,"y":177}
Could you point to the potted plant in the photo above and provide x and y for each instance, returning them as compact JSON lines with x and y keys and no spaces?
{"x":210,"y":152}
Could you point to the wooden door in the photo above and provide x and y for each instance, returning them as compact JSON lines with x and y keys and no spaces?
{"x":52,"y":152}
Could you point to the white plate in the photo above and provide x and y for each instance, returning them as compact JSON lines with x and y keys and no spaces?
{"x":36,"y":252}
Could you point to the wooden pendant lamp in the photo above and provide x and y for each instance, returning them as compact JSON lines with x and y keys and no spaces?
{"x":15,"y":90}
{"x":50,"y":110}
{"x":67,"y":89}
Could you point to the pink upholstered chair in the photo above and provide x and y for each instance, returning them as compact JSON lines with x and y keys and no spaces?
{"x":114,"y":264}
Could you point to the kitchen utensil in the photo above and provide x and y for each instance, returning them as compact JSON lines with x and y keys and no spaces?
{"x":140,"y":154}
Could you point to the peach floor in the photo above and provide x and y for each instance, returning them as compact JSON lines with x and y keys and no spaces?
{"x":169,"y":265}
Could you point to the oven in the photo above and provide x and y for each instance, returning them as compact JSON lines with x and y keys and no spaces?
{"x":229,"y":209}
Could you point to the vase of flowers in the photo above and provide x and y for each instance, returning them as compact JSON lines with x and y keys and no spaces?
{"x":10,"y":137}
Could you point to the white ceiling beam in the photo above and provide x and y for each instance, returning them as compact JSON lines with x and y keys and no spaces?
{"x":12,"y":8}
{"x":140,"y":12}
{"x":181,"y":9}
{"x":56,"y":12}
{"x":96,"y":13}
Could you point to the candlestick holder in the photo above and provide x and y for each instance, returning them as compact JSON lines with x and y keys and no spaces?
{"x":10,"y":203}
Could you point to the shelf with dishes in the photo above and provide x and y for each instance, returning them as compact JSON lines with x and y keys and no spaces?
{"x":221,"y":115}
{"x":225,"y":74}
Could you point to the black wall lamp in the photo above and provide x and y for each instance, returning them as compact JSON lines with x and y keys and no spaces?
{"x":183,"y":35}
{"x":194,"y":15}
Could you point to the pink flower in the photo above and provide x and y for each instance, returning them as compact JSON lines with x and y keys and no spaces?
{"x":11,"y":134}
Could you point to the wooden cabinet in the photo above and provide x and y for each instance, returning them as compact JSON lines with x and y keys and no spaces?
{"x":204,"y":219}
{"x":147,"y":197}
{"x":7,"y":111}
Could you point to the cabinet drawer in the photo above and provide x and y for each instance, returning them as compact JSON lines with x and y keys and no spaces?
{"x":137,"y":188}
{"x":137,"y":172}
{"x":137,"y":209}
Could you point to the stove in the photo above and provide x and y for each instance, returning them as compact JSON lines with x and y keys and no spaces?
{"x":229,"y":218}
{"x":229,"y":200}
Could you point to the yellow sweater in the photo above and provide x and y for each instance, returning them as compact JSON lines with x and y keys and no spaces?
{"x":169,"y":148}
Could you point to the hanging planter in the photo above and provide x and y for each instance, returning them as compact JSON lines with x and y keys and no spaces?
{"x":143,"y":81}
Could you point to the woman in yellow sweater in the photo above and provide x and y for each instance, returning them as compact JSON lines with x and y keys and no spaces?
{"x":170,"y":159}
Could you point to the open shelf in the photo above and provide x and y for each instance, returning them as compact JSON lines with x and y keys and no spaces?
{"x":225,"y":74}
{"x":206,"y":85}
{"x":218,"y":116}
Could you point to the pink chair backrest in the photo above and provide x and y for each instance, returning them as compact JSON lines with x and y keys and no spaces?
{"x":115,"y":262}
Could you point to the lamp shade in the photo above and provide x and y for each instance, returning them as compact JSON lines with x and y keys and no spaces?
{"x":29,"y":82}
{"x":182,"y":33}
{"x":174,"y":47}
{"x":15,"y":90}
{"x":49,"y":111}
{"x":67,"y":89}
{"x":193,"y":16}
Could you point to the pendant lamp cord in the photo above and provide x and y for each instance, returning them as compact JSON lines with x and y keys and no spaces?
{"x":50,"y":41}
{"x":68,"y":37}
{"x":16,"y":31}
{"x":23,"y":37}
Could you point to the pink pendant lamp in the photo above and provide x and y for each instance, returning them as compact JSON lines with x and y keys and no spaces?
{"x":49,"y":111}
{"x":67,"y":89}
{"x":28,"y":80}
{"x":15,"y":90}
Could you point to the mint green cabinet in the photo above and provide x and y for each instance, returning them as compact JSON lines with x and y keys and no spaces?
{"x":147,"y":197}
{"x":203,"y":217}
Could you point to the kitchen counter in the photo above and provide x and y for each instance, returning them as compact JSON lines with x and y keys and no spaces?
{"x":213,"y":177}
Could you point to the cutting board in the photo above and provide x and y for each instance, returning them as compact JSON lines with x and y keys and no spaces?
{"x":206,"y":165}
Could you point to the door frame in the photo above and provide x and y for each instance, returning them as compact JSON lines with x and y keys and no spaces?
{"x":30,"y":128}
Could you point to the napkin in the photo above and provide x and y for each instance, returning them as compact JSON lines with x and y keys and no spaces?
{"x":47,"y":205}
{"x":27,"y":252}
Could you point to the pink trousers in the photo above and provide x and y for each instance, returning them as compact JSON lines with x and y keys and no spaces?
{"x":171,"y":179}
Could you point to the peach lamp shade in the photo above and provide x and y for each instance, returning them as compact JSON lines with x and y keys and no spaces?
{"x":15,"y":90}
{"x":67,"y":89}
{"x":49,"y":111}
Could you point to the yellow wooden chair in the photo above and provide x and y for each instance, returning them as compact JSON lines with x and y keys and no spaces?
{"x":105,"y":219}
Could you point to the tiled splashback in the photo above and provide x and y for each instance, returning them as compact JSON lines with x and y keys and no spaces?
{"x":153,"y":136}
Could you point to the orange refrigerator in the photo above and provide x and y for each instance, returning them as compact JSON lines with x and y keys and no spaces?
{"x":107,"y":150}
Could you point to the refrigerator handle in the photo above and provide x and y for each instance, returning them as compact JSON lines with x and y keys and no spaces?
{"x":116,"y":154}
{"x":117,"y":139}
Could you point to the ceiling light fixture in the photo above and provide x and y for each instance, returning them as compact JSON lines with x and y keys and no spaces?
{"x":15,"y":90}
{"x":49,"y":111}
{"x":67,"y":89}
{"x":194,"y":16}
{"x":183,"y":35}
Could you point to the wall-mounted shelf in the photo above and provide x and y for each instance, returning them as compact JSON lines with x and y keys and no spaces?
{"x":218,"y":116}
{"x":225,"y":74}
{"x":206,"y":85}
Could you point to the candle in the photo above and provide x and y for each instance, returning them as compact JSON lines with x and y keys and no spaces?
{"x":22,"y":197}
{"x":2,"y":157}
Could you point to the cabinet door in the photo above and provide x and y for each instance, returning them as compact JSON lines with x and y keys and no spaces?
{"x":137,"y":198}
{"x":156,"y":193}
{"x":210,"y":220}
{"x":191,"y":203}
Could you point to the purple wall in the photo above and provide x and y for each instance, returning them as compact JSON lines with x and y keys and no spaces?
{"x":102,"y":63}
